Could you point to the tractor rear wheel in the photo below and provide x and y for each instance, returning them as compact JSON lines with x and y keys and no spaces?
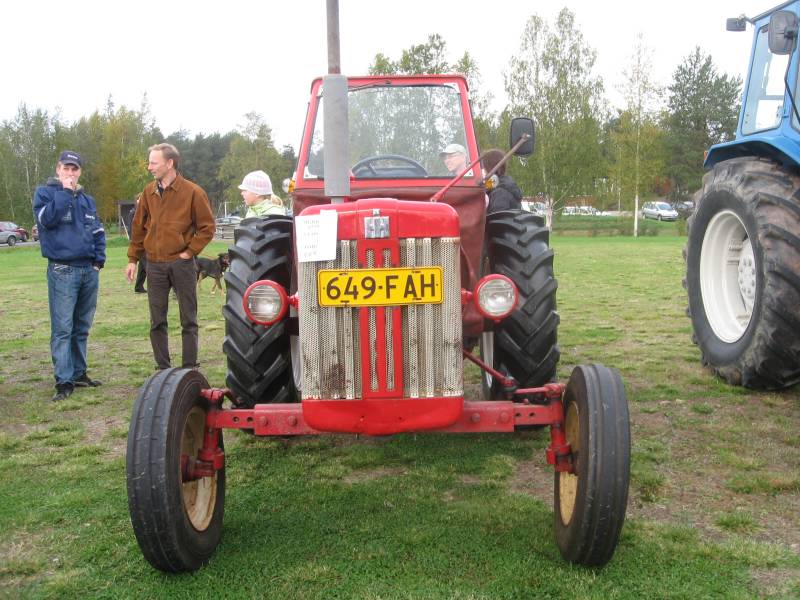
{"x":524,"y":345}
{"x":590,"y":503}
{"x":743,"y":273}
{"x":177,"y":523}
{"x":259,"y":357}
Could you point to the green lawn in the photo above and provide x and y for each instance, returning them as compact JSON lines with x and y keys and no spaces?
{"x":715,"y":494}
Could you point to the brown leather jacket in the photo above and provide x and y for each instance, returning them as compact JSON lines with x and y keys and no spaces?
{"x":164,"y":226}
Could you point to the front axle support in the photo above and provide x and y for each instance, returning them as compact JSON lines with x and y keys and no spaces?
{"x":287,"y":419}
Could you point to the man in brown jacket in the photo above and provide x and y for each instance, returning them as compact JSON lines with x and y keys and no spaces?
{"x":172,"y":225}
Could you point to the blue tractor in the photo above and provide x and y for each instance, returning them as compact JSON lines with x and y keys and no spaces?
{"x":743,"y":251}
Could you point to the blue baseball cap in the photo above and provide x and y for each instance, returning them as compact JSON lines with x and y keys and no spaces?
{"x":68,"y":157}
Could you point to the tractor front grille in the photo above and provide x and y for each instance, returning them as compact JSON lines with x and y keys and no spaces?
{"x":331,"y":338}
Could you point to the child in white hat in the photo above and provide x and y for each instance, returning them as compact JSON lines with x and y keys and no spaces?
{"x":257,"y":194}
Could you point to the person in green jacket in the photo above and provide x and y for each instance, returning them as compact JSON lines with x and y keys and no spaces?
{"x":257,"y":194}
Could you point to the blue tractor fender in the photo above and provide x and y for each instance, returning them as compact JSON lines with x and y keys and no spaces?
{"x":784,"y":151}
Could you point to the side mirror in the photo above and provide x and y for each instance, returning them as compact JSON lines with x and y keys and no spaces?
{"x":782,"y":32}
{"x":521,"y":127}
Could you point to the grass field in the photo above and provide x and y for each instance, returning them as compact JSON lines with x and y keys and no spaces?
{"x":715,"y":494}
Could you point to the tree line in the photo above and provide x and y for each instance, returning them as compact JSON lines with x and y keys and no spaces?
{"x":651,"y":146}
{"x":115,"y":142}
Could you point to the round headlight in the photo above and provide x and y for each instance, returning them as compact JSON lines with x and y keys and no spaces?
{"x":495,"y":296}
{"x":265,"y":302}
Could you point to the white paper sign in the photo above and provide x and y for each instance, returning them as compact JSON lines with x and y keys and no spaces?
{"x":316,"y":236}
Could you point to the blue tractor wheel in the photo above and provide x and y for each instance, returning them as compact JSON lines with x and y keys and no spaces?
{"x":741,"y":273}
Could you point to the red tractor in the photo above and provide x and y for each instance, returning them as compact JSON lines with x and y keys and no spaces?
{"x":356,"y":315}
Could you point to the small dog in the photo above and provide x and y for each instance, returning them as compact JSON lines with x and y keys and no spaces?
{"x":210,"y":267}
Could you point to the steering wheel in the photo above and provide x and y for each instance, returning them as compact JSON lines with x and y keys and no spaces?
{"x":367,"y":165}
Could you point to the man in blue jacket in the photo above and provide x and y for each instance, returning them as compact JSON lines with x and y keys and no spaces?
{"x":73,"y":240}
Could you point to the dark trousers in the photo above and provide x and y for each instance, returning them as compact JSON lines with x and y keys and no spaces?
{"x":181,"y":276}
{"x":141,"y":273}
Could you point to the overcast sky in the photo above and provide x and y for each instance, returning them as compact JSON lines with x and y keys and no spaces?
{"x":205,"y":64}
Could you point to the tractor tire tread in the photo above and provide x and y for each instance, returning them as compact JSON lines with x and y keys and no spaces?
{"x":771,"y":195}
{"x":526,"y":342}
{"x":259,"y":368}
{"x":592,"y":534}
{"x":154,"y":517}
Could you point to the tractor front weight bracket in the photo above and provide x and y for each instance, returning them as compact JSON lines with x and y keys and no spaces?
{"x":559,"y":453}
{"x":210,"y":458}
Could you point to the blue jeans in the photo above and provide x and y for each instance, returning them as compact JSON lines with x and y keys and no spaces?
{"x":72,"y":292}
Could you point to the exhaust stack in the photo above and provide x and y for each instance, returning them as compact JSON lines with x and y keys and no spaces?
{"x":336,"y":128}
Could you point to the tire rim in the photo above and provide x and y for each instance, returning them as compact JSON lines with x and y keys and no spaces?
{"x":568,"y":482}
{"x":199,"y":496}
{"x":727,"y":276}
{"x":487,"y":354}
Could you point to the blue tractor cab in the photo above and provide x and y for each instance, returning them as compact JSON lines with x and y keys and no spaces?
{"x":769,"y":123}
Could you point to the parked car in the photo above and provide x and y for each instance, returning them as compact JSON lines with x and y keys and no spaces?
{"x":684,"y":208}
{"x":8,"y":237}
{"x":537,"y":208}
{"x":35,"y":233}
{"x":14,"y":232}
{"x":229,"y":220}
{"x":226,"y":226}
{"x":661,"y":211}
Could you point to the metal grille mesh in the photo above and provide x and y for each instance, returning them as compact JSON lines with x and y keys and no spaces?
{"x":432,"y":332}
{"x":330,"y":337}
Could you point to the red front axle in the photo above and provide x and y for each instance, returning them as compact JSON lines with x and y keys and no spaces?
{"x":476,"y":417}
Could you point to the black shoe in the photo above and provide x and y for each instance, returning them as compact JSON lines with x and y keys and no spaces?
{"x":140,"y":291}
{"x":84,"y":381}
{"x":63,"y":391}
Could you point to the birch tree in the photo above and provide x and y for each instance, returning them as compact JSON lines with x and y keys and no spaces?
{"x":29,"y":142}
{"x":551,"y":79}
{"x":431,"y":58}
{"x":251,"y":149}
{"x":638,"y":129}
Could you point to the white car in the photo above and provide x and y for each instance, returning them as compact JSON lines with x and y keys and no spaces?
{"x":229,"y":220}
{"x":537,"y":208}
{"x":660,"y":211}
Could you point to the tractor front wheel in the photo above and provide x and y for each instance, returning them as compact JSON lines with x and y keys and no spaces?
{"x":590,"y":503}
{"x":177,"y":523}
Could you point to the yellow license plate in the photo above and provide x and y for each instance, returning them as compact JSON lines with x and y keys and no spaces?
{"x":380,"y":287}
